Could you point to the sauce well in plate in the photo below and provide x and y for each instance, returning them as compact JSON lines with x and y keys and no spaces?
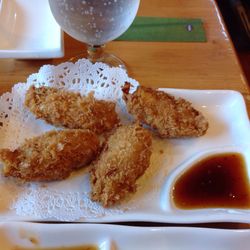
{"x":219,"y":180}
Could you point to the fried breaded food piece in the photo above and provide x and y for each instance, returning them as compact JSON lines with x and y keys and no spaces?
{"x":71,"y":110}
{"x":51,"y":156}
{"x":124,"y":159}
{"x":170,"y":117}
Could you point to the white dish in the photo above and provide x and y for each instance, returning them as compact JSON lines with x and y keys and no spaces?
{"x":28,"y":30}
{"x":107,"y":237}
{"x":69,"y":200}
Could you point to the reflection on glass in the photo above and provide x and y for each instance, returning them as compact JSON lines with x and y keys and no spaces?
{"x":95,"y":22}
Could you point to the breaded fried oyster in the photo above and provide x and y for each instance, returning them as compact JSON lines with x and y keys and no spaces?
{"x":71,"y":110}
{"x":51,"y":156}
{"x":170,"y":117}
{"x":124,"y":159}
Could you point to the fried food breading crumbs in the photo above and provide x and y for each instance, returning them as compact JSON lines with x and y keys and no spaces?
{"x":71,"y":110}
{"x":51,"y":156}
{"x":124,"y":159}
{"x":170,"y":117}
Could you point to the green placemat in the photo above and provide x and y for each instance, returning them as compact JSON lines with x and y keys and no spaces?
{"x":165,"y":29}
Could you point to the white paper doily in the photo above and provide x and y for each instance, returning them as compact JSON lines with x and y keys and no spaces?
{"x":82,"y":77}
{"x":17,"y":123}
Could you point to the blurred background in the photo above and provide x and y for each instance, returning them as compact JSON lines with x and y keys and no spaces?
{"x":236,"y":14}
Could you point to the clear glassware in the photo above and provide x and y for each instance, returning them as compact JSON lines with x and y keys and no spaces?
{"x":95,"y":22}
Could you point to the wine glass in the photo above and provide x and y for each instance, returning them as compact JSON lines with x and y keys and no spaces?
{"x":95,"y":22}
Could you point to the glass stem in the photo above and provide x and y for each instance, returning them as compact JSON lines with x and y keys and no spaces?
{"x":95,"y":52}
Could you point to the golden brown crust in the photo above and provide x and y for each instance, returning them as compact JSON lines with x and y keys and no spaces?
{"x":51,"y":156}
{"x":71,"y":110}
{"x":124,"y":159}
{"x":169,"y":116}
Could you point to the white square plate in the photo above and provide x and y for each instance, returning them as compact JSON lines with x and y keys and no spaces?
{"x":69,"y":199}
{"x":108,"y":237}
{"x":29,"y":30}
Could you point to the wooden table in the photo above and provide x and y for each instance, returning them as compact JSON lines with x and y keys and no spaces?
{"x":210,"y":65}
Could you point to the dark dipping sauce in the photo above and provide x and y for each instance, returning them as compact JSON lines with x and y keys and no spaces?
{"x":216,"y":181}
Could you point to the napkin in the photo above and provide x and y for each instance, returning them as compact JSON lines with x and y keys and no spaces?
{"x":165,"y":30}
